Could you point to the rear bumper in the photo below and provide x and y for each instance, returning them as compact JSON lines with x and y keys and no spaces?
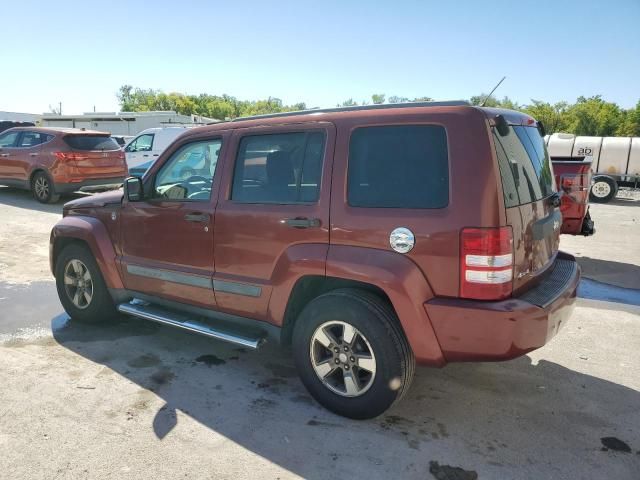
{"x":469,"y":330}
{"x":89,"y":185}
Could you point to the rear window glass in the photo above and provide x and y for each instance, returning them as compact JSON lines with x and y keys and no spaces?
{"x":404,"y":166}
{"x":524,"y":166}
{"x":91,"y":142}
{"x":279,"y":168}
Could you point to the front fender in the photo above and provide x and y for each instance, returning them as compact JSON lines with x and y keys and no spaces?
{"x":93,"y":232}
{"x":404,"y":284}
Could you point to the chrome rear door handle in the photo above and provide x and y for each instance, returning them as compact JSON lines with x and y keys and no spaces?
{"x":302,"y":222}
{"x":197,"y":217}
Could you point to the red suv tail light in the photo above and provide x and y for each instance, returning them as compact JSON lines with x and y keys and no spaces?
{"x":577,"y":186}
{"x":70,"y":156}
{"x":486,"y":263}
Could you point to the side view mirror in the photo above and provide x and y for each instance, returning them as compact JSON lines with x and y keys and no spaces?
{"x":133,"y":189}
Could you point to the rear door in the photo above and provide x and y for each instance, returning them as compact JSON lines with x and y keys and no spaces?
{"x":96,"y":155}
{"x":528,"y":185}
{"x":277,"y":198}
{"x":28,"y":153}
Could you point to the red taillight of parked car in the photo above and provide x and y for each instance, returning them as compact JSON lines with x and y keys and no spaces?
{"x":486,"y":263}
{"x":577,"y":186}
{"x":70,"y":156}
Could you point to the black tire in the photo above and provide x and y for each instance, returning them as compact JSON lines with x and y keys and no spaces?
{"x":43,"y":189}
{"x":377,"y":322}
{"x":101,"y":307}
{"x":603,"y":189}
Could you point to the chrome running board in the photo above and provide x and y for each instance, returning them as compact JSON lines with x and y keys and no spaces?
{"x":159,"y":314}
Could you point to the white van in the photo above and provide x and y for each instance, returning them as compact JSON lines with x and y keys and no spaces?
{"x":150,"y":143}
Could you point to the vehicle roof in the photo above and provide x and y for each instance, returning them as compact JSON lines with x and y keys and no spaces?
{"x":163,"y":129}
{"x":52,"y":130}
{"x":368,"y":112}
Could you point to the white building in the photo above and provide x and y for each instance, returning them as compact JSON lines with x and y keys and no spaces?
{"x":123,"y":123}
{"x":20,"y":117}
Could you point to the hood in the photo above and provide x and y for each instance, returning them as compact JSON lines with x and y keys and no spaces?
{"x":96,"y":201}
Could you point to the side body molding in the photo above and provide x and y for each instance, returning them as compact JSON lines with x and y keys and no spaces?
{"x":94,"y":233}
{"x":404,"y":284}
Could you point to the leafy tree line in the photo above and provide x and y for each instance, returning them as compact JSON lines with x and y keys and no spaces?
{"x":587,"y":116}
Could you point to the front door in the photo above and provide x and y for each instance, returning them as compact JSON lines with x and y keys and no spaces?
{"x":138,"y":151}
{"x":167,"y":239}
{"x":9,"y":155}
{"x":276,"y":200}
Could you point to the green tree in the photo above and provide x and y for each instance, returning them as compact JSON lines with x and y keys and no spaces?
{"x":554,"y":117}
{"x":594,"y":116}
{"x":630,"y":124}
{"x":378,"y":98}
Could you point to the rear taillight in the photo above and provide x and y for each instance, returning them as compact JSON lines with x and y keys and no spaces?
{"x":70,"y":156}
{"x":486,"y":263}
{"x":577,"y":186}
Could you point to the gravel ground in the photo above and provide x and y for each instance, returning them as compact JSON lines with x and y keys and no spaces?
{"x":138,"y":400}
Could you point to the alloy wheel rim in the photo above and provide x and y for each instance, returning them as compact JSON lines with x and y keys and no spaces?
{"x":342,"y":358}
{"x":78,"y":284}
{"x":42,"y":187}
{"x":601,"y":189}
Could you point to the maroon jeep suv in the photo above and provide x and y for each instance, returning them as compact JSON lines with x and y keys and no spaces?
{"x":369,"y":239}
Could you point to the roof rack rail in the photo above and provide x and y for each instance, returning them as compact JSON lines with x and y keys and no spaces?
{"x":453,"y":103}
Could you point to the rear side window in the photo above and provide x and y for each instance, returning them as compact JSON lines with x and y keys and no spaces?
{"x":524,"y":166}
{"x":91,"y":142}
{"x":279,"y":168}
{"x":398,"y":167}
{"x":32,"y":139}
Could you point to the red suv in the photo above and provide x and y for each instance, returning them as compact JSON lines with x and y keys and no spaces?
{"x":369,"y":239}
{"x":51,"y":161}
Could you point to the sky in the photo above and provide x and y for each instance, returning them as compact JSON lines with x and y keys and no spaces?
{"x":320,"y":53}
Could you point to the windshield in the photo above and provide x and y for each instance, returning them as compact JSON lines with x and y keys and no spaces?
{"x":525,"y":168}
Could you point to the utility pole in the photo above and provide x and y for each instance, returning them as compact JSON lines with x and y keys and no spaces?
{"x":60,"y":108}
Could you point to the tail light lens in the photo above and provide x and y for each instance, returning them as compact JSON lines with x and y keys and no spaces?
{"x":577,"y":187}
{"x":486,"y":263}
{"x":70,"y":156}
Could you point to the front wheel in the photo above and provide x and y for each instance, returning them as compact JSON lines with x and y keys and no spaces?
{"x":351,"y":353}
{"x":603,"y":189}
{"x":80,"y":285}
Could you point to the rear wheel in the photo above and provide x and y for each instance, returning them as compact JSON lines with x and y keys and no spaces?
{"x":603,"y":189}
{"x":80,"y":286}
{"x":351,"y":353}
{"x":42,"y":188}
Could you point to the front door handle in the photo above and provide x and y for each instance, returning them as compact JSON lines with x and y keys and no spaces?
{"x":302,"y":222}
{"x":4,"y":154}
{"x":197,"y":217}
{"x":33,"y":154}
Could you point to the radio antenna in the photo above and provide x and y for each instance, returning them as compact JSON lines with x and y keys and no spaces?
{"x":491,"y":93}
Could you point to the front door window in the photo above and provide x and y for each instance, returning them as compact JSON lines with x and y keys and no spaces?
{"x":188,"y":175}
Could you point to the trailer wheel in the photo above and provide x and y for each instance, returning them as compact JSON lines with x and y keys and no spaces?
{"x":603,"y":189}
